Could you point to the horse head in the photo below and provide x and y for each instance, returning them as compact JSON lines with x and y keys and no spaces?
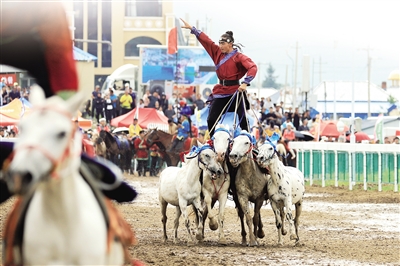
{"x":265,"y":153}
{"x":221,"y":141}
{"x":207,"y":159}
{"x":241,"y":148}
{"x":48,"y":144}
{"x":151,"y":137}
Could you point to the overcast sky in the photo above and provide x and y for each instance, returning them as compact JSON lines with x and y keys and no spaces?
{"x":335,"y":33}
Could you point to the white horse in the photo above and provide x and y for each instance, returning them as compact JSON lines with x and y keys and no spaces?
{"x":64,"y":222}
{"x":216,"y":188}
{"x":250,"y":183}
{"x":285,"y":187}
{"x":181,"y":187}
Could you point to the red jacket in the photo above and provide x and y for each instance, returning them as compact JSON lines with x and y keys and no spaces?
{"x":233,"y":69}
{"x":88,"y":147}
{"x":141,"y":148}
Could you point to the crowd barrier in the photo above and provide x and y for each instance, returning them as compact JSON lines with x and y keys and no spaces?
{"x":349,"y":163}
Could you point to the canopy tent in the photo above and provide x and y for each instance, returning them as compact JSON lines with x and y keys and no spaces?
{"x":7,"y":121}
{"x":200,"y":119}
{"x":15,"y":109}
{"x":145,"y":117}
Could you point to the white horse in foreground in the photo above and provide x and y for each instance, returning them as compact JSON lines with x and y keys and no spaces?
{"x":285,"y":187}
{"x":181,"y":187}
{"x":216,"y":187}
{"x":64,"y":223}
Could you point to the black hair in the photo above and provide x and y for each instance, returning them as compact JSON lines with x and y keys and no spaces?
{"x":228,"y":35}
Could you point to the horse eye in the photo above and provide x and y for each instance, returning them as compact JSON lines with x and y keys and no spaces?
{"x":270,"y":148}
{"x":208,"y":156}
{"x":61,"y":134}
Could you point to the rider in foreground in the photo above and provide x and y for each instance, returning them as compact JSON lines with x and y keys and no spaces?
{"x":231,"y":66}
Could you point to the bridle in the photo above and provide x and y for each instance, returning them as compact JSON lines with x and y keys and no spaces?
{"x":197,"y":152}
{"x":55,"y":162}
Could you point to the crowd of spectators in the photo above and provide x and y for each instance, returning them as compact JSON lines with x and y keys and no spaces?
{"x":9,"y":92}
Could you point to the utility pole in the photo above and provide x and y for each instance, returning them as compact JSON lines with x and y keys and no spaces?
{"x":369,"y":59}
{"x":294,"y":99}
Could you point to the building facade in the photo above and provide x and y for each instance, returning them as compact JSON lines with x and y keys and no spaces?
{"x":111,"y":30}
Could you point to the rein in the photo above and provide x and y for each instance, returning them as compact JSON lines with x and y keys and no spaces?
{"x":55,"y":162}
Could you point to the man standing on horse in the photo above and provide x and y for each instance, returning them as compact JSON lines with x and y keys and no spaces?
{"x":183,"y":134}
{"x":231,"y":66}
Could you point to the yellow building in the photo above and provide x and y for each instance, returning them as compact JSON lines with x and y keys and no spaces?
{"x":111,"y":30}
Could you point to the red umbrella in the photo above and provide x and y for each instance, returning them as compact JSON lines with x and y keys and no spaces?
{"x":328,"y":129}
{"x":360,"y":136}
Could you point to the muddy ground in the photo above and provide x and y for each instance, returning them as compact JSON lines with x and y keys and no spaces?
{"x":337,"y":227}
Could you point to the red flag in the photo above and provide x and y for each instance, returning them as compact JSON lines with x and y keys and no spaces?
{"x":173,"y":41}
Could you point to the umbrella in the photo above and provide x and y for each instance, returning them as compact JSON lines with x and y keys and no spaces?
{"x":121,"y":129}
{"x":360,"y":136}
{"x":307,"y":136}
{"x":328,"y":129}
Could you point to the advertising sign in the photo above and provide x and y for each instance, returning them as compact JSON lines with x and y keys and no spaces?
{"x":191,"y":65}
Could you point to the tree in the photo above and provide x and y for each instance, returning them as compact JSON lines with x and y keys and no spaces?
{"x":392,"y":99}
{"x":270,"y":79}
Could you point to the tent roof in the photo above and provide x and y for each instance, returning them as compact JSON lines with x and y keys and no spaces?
{"x":145,"y":116}
{"x":7,"y":121}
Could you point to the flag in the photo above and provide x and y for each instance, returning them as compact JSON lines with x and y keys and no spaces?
{"x":173,"y":41}
{"x":378,"y":131}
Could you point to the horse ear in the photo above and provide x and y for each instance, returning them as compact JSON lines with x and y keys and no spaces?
{"x":199,"y":144}
{"x":36,"y":96}
{"x":75,"y":102}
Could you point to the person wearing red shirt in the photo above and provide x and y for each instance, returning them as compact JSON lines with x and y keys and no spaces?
{"x":142,"y":154}
{"x":288,"y":134}
{"x":231,"y":65}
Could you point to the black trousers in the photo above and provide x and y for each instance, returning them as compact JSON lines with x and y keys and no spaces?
{"x":217,"y":106}
{"x":141,"y":168}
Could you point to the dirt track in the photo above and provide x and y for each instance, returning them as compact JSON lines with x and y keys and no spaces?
{"x":337,"y":227}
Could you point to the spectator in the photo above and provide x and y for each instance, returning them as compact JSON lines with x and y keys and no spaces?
{"x":14,"y":93}
{"x":396,"y":140}
{"x":158,"y":108}
{"x":296,"y":118}
{"x":4,"y":95}
{"x":271,"y":116}
{"x":181,"y":99}
{"x":170,"y":112}
{"x":103,"y":125}
{"x":287,"y":122}
{"x":288,"y":133}
{"x":279,"y":115}
{"x":152,"y":100}
{"x":95,"y":94}
{"x":271,"y":129}
{"x":386,"y":140}
{"x":98,"y":105}
{"x":1,"y":132}
{"x":146,"y":99}
{"x":154,"y":158}
{"x":163,"y":102}
{"x":198,"y":103}
{"x":201,"y":137}
{"x":125,"y":101}
{"x":114,"y":100}
{"x":141,"y":103}
{"x":133,"y":96}
{"x":109,"y":108}
{"x":134,"y":129}
{"x":141,"y":147}
{"x":172,"y":127}
{"x":87,"y":145}
{"x":304,"y":126}
{"x":172,"y":99}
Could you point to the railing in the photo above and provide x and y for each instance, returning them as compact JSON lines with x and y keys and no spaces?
{"x":352,"y":163}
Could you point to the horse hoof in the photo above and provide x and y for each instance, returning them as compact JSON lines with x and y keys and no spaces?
{"x":199,"y":236}
{"x":253,"y":244}
{"x":213,"y":224}
{"x":260,"y":234}
{"x":191,"y":244}
{"x":293,"y":237}
{"x":222,"y":241}
{"x":279,"y":245}
{"x":284,"y":232}
{"x":297,"y":243}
